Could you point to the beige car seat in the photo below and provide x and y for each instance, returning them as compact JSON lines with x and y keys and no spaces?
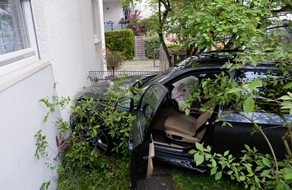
{"x":184,"y":128}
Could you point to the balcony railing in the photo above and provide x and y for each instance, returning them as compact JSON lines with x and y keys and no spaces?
{"x":112,"y":26}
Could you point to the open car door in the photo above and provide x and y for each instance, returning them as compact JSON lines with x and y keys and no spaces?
{"x":141,"y":143}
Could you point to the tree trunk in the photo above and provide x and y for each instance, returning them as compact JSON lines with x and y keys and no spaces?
{"x":162,"y":19}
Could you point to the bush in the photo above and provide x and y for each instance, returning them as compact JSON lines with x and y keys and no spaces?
{"x":120,"y":41}
{"x":176,"y":48}
{"x":151,"y":43}
{"x":114,"y":60}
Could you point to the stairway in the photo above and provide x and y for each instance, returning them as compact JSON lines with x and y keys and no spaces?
{"x":139,"y":48}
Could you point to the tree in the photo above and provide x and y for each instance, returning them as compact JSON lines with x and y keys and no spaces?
{"x":256,"y":29}
{"x":204,"y":24}
{"x":114,"y":60}
{"x":135,"y":23}
{"x":157,"y":21}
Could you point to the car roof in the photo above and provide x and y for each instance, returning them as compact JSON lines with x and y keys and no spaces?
{"x":207,"y":62}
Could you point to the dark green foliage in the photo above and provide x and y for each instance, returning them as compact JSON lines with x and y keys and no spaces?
{"x":151,"y":43}
{"x":121,"y":41}
{"x":176,"y":48}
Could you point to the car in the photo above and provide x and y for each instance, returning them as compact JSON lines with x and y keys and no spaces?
{"x":90,"y":100}
{"x":163,"y":131}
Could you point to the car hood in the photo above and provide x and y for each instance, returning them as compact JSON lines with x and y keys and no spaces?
{"x":97,"y":90}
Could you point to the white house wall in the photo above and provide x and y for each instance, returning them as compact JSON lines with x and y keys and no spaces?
{"x":21,"y":118}
{"x":113,"y":12}
{"x":67,"y":49}
{"x":66,"y":30}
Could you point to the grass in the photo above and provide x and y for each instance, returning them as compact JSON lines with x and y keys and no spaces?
{"x":113,"y":174}
{"x":187,"y":179}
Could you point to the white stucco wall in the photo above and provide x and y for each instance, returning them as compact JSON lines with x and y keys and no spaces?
{"x":67,"y":40}
{"x":113,"y":12}
{"x":67,"y":50}
{"x":21,"y":118}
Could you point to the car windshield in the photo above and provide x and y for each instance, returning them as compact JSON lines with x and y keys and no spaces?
{"x":167,"y":73}
{"x":204,"y":58}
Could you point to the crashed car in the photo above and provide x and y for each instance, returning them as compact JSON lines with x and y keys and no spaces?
{"x":91,"y":101}
{"x":164,"y":132}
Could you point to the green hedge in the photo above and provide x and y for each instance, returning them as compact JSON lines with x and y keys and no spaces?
{"x":122,"y":41}
{"x":151,"y":43}
{"x":176,"y":48}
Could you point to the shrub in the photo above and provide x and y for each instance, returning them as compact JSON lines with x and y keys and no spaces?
{"x":114,"y":60}
{"x":135,"y":23}
{"x":176,"y":48}
{"x":151,"y":43}
{"x":121,"y":41}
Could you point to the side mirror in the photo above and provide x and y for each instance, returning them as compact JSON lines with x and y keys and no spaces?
{"x":124,"y":104}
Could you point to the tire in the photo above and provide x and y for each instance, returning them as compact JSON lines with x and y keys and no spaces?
{"x":103,"y":142}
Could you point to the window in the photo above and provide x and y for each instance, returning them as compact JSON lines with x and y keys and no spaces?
{"x":17,"y":35}
{"x":149,"y":104}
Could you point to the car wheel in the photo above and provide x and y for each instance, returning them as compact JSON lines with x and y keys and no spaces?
{"x":103,"y":142}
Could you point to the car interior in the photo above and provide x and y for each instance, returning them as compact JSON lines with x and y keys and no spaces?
{"x":172,"y":127}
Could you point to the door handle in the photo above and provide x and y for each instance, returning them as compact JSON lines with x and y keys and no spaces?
{"x":130,"y":146}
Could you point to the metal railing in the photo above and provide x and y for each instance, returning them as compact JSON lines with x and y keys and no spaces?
{"x":99,"y":76}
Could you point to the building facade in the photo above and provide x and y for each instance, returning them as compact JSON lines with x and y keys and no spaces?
{"x":46,"y":49}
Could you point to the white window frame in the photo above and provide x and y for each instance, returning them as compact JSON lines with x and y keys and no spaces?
{"x":10,"y":62}
{"x":96,"y":8}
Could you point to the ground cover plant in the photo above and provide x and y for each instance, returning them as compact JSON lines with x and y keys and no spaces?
{"x":77,"y":150}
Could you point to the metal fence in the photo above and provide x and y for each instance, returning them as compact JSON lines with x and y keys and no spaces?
{"x":98,"y":76}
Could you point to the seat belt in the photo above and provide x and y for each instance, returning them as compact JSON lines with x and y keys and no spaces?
{"x":200,"y":129}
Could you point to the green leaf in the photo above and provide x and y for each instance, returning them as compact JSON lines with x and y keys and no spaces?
{"x":266,"y":162}
{"x":192,"y":151}
{"x":248,"y":105}
{"x":285,"y":97}
{"x":208,"y":156}
{"x":288,"y":173}
{"x":255,"y":84}
{"x":187,"y":111}
{"x":241,"y":178}
{"x":235,"y":90}
{"x":199,"y":159}
{"x":214,"y":163}
{"x":265,"y":173}
{"x":213,"y":171}
{"x":287,"y":86}
{"x":218,"y":175}
{"x":200,"y":147}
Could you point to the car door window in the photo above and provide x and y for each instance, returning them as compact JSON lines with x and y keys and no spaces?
{"x":148,"y":105}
